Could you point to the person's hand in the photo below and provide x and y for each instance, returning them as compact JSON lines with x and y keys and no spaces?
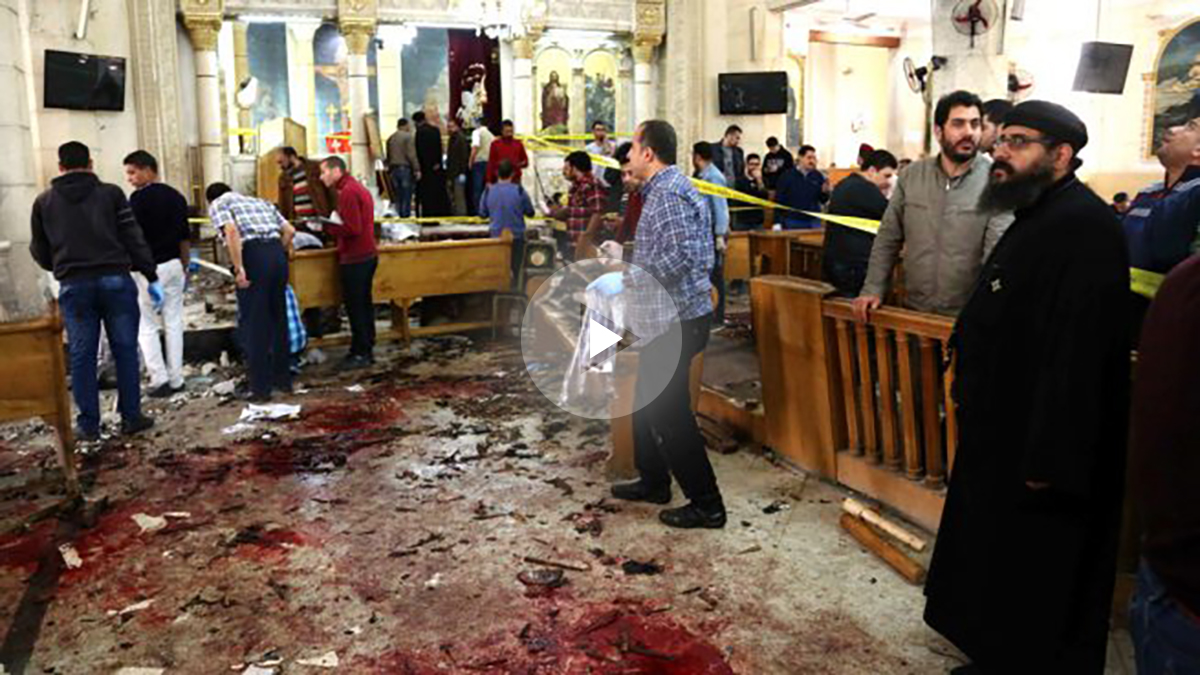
{"x":241,"y":280}
{"x":156,"y":295}
{"x":864,"y":305}
{"x":462,"y":179}
{"x":721,"y":244}
{"x":417,"y":174}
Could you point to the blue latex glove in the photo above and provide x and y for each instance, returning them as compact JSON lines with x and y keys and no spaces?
{"x":609,"y":284}
{"x":156,"y":295}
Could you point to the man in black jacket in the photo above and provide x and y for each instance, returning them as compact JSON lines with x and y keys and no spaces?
{"x":431,"y":187}
{"x":861,"y":195}
{"x":84,"y":231}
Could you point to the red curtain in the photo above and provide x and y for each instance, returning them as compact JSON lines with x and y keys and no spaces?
{"x":472,"y":57}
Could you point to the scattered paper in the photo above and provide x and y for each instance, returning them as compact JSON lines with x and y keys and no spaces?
{"x":258,"y":670}
{"x":356,"y":389}
{"x":136,"y":607}
{"x":177,"y":514}
{"x":149,"y":523}
{"x":327,"y":660}
{"x":434,"y":582}
{"x":225,"y":388}
{"x":270,"y":411}
{"x":238,"y":428}
{"x":70,"y":556}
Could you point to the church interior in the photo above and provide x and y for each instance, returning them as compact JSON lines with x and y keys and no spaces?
{"x":436,"y":505}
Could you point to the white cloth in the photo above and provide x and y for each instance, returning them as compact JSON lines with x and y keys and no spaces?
{"x":482,"y":138}
{"x":171,"y":277}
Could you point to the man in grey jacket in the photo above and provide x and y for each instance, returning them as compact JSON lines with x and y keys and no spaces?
{"x":934,"y":216}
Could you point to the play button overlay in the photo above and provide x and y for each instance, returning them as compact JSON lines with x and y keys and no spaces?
{"x":584,"y":331}
{"x":600,"y":338}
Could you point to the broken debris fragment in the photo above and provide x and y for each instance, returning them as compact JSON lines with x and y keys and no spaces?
{"x":776,"y":506}
{"x":634,"y":567}
{"x":269,"y":411}
{"x":149,"y":523}
{"x":70,"y":556}
{"x":326,"y":660}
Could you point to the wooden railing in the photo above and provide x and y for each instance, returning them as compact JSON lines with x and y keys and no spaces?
{"x":893,"y":404}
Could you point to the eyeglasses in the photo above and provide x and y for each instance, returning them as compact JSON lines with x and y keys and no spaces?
{"x":1017,"y":141}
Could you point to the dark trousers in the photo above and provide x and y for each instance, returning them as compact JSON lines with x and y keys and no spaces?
{"x":357,"y":279}
{"x":402,"y":189}
{"x":262,"y":316}
{"x":518,"y":258}
{"x":86,"y":304}
{"x":718,"y":281}
{"x":846,"y":277}
{"x":666,"y":439}
{"x":478,"y":178}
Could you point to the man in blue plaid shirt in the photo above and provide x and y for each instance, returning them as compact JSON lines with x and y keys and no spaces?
{"x":674,"y":245}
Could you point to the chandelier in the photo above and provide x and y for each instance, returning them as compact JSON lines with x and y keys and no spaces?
{"x":500,"y":19}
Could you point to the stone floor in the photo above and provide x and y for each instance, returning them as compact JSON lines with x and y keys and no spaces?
{"x":390,"y":530}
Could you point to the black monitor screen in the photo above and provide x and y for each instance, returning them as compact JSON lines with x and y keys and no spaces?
{"x":84,"y":81}
{"x":753,"y":93}
{"x":1103,"y":67}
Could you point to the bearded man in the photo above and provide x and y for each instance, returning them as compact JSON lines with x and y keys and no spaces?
{"x":1022,"y":576}
{"x":934,"y":217}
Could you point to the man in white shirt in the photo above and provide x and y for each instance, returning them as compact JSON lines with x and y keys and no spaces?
{"x":601,"y":145}
{"x":481,"y":148}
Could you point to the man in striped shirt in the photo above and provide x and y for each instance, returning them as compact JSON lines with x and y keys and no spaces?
{"x":302,"y":195}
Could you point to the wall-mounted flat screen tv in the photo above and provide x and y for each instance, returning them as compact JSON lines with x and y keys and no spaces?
{"x":753,"y":93}
{"x":84,"y":81}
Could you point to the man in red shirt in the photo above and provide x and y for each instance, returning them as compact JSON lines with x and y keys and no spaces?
{"x":585,"y":206}
{"x":627,"y":229}
{"x":506,"y":147}
{"x":357,"y":256}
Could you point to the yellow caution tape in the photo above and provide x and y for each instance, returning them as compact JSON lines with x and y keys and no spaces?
{"x":242,"y":131}
{"x":1144,"y":282}
{"x":577,"y":137}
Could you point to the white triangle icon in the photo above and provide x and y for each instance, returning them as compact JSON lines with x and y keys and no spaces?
{"x":600,"y":338}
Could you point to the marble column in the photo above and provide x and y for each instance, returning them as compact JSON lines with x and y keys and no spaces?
{"x":643,"y":78}
{"x":624,"y":119}
{"x":20,"y":297}
{"x":155,"y":75}
{"x":203,"y":30}
{"x":301,"y":78}
{"x":242,"y":144}
{"x":522,"y":111}
{"x":578,"y":122}
{"x":358,"y":39}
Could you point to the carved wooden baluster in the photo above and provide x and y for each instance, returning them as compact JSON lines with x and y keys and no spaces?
{"x":844,"y":347}
{"x":951,"y":413}
{"x":934,"y":466}
{"x":887,"y":398}
{"x":908,"y":408}
{"x":866,"y":397}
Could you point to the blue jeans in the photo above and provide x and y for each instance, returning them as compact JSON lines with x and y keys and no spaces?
{"x":478,"y":177}
{"x":402,"y":188}
{"x":86,"y":303}
{"x":1166,"y":640}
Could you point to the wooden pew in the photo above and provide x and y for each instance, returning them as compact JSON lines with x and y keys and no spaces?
{"x":406,"y":273}
{"x":34,"y":372}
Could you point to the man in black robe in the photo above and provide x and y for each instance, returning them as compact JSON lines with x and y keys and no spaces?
{"x":1022,"y":576}
{"x":431,"y":188}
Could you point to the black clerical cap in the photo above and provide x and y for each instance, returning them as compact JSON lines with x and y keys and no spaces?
{"x":1050,"y":119}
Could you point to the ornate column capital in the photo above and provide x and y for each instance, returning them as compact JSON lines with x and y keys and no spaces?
{"x":203,"y":19}
{"x":523,"y":46}
{"x":357,"y":20}
{"x":643,"y":47}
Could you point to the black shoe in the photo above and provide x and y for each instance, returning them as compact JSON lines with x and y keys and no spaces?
{"x":164,"y":390}
{"x":131,"y":427}
{"x":285,"y":389}
{"x":692,"y":516}
{"x":637,"y":491}
{"x":82,"y":436}
{"x":354,"y":362}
